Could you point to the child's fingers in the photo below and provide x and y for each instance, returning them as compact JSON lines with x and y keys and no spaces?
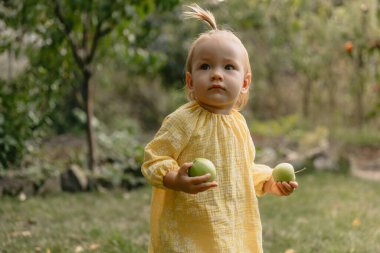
{"x":287,"y":186}
{"x":281,"y":188}
{"x":200,"y":179}
{"x":205,"y":186}
{"x":185,"y":167}
{"x":294,"y":184}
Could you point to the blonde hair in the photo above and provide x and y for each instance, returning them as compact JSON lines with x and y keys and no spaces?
{"x":206,"y":16}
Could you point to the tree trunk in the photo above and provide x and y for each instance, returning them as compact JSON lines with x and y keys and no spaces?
{"x":306,"y":99}
{"x":275,"y":101}
{"x":359,"y":105}
{"x":89,"y":108}
{"x":83,"y":53}
{"x":360,"y":67}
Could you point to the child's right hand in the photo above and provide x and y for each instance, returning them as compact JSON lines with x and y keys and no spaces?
{"x":180,"y":181}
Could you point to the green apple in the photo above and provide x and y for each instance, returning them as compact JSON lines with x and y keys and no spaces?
{"x":202,"y":166}
{"x":283,"y":172}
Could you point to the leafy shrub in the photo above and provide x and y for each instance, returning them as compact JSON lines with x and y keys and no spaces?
{"x":17,"y":122}
{"x":357,"y":137}
{"x":276,"y":127}
{"x":121,"y":154}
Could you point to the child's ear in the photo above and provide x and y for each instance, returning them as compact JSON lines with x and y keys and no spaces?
{"x":246,"y":83}
{"x":189,"y":81}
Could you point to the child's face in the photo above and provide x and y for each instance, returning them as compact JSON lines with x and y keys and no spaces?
{"x":218,"y":76}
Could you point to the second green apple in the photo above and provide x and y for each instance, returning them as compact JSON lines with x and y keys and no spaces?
{"x":284,"y":172}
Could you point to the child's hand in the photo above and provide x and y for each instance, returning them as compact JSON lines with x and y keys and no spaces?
{"x":280,"y":188}
{"x":180,"y":181}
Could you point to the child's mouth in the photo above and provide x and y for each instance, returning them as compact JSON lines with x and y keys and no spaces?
{"x":216,"y":86}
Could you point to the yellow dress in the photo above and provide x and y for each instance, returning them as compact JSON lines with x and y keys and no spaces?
{"x":224,"y":219}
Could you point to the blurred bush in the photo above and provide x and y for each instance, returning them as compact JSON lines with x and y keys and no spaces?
{"x":313,"y":62}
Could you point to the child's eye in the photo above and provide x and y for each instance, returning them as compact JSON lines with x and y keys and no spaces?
{"x":229,"y":67}
{"x":205,"y":66}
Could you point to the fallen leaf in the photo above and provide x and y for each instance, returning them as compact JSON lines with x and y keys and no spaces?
{"x":290,"y":251}
{"x":356,"y":222}
{"x":94,"y":246}
{"x":78,"y":249}
{"x":48,"y":251}
{"x":22,"y":196}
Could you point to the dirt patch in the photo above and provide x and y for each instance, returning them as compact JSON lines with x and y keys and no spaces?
{"x":365,"y":162}
{"x":62,"y":147}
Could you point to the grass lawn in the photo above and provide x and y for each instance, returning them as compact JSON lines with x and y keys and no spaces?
{"x":330,"y":213}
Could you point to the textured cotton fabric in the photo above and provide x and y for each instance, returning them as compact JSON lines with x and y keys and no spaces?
{"x":224,"y":219}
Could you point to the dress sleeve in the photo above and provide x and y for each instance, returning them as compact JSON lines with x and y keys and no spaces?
{"x":161,"y":153}
{"x":261,"y":174}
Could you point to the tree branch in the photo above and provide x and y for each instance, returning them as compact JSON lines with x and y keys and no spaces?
{"x":99,"y":33}
{"x":67,"y":32}
{"x":85,"y":33}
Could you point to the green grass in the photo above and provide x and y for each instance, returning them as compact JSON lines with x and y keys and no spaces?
{"x":329,"y":213}
{"x":97,"y":222}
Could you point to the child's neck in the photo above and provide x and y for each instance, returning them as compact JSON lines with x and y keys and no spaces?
{"x":215,"y":109}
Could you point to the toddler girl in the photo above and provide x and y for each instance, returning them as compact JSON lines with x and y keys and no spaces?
{"x":190,"y":214}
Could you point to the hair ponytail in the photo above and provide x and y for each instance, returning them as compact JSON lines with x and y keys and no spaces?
{"x":201,"y":14}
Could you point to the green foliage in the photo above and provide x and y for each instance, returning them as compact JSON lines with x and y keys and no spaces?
{"x":120,"y":158}
{"x":121,"y":144}
{"x":36,"y":99}
{"x":357,"y":137}
{"x":10,"y":119}
{"x":120,"y":155}
{"x":295,"y":129}
{"x":276,"y":127}
{"x":19,"y":120}
{"x":59,"y":48}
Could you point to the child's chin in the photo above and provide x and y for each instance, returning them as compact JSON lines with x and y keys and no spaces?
{"x":218,"y":99}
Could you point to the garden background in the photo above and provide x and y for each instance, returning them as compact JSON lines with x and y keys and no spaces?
{"x":84,"y":85}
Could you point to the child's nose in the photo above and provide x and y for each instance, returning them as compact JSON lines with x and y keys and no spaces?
{"x":216,"y":75}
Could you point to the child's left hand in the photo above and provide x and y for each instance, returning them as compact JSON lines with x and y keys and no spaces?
{"x":280,"y":188}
